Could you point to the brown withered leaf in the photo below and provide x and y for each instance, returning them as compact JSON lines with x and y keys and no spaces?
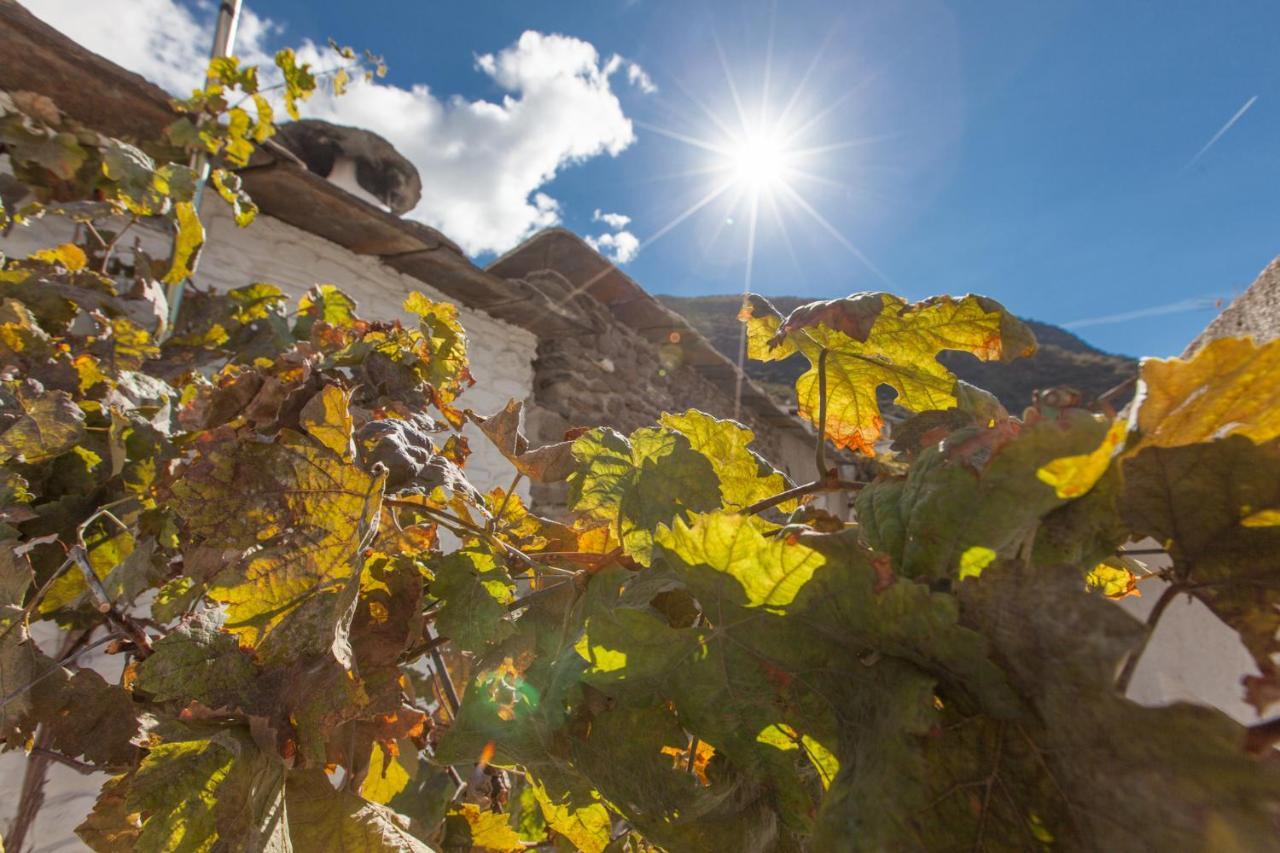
{"x":549,"y":464}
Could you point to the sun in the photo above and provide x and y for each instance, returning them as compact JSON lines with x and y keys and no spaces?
{"x":758,"y":161}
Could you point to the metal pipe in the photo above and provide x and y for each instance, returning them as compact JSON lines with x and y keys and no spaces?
{"x":224,"y":38}
{"x":224,"y":34}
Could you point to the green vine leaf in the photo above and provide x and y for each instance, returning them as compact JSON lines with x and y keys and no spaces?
{"x":321,"y":818}
{"x":476,"y":589}
{"x":205,"y":791}
{"x":952,"y":500}
{"x":48,"y":425}
{"x":198,"y":662}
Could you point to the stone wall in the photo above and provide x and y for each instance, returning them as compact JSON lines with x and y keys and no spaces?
{"x":614,"y":377}
{"x":277,"y":253}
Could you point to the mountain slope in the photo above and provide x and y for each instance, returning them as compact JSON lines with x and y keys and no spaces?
{"x":1063,"y":359}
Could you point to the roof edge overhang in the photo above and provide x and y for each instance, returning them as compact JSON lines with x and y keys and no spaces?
{"x":100,"y":94}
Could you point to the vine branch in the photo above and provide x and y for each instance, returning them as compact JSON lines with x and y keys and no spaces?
{"x":830,"y":484}
{"x":821,"y":452}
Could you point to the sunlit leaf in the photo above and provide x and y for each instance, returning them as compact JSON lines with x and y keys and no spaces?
{"x":187,"y":243}
{"x":309,"y":511}
{"x":1072,"y":476}
{"x":469,"y":828}
{"x":327,"y":418}
{"x":299,"y":82}
{"x":770,"y":569}
{"x":229,"y":188}
{"x":876,"y":339}
{"x":68,"y":255}
{"x":208,"y":792}
{"x":589,"y":828}
{"x":1226,"y":388}
{"x":322,"y":818}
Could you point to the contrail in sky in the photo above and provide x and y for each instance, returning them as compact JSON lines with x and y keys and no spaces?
{"x":1202,"y":303}
{"x":1230,"y":123}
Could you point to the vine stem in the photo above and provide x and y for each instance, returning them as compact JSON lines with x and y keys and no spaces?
{"x":820,"y":453}
{"x":80,"y":556}
{"x":1131,"y":663}
{"x":830,"y":484}
{"x":111,"y":245}
{"x":422,"y":648}
{"x":506,"y":498}
{"x":1115,"y":392}
{"x":446,"y":682}
{"x":462,"y":527}
{"x":453,"y":701}
{"x":537,"y":594}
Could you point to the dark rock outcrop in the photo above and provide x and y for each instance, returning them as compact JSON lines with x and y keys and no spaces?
{"x":381,"y":171}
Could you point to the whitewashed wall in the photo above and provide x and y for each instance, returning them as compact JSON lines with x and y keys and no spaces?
{"x":1193,"y":656}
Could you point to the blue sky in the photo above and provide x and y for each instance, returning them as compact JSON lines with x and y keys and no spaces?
{"x":1042,"y":153}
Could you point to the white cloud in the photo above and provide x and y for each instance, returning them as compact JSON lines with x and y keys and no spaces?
{"x":639,"y":78}
{"x":616,"y":221}
{"x":163,"y":40}
{"x":619,"y":248}
{"x":636,"y":75}
{"x":484,"y":164}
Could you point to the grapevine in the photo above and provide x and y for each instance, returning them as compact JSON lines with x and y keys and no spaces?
{"x":331,"y":639}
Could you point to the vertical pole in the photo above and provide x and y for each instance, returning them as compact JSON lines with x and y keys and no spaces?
{"x":224,"y":37}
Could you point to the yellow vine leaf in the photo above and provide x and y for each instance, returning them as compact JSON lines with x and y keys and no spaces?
{"x":587,"y":828}
{"x":770,"y":569}
{"x":974,"y":560}
{"x":1262,"y":518}
{"x":187,"y":245}
{"x":309,"y":511}
{"x":1113,"y":579}
{"x":1228,"y":388}
{"x":68,"y":255}
{"x":386,"y":778}
{"x":327,"y":418}
{"x":468,"y":827}
{"x":1072,"y":476}
{"x":875,"y":339}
